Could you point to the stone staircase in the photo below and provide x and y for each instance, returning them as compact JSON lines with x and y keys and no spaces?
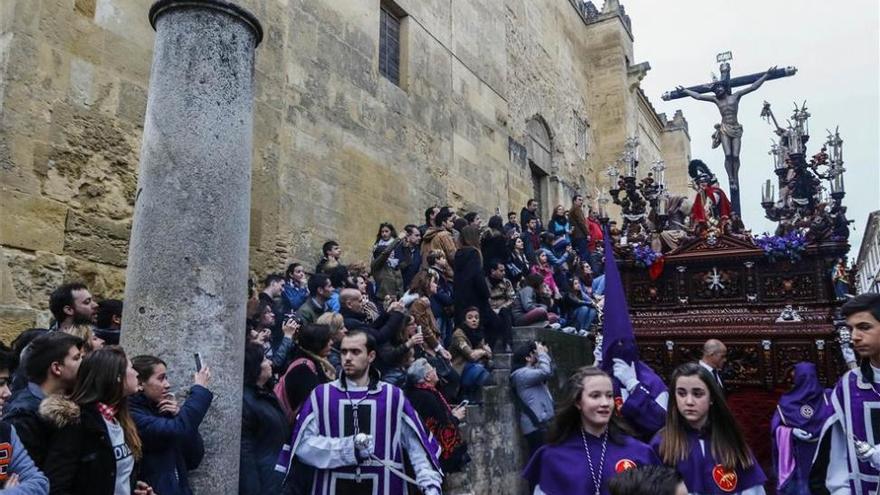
{"x":495,"y":444}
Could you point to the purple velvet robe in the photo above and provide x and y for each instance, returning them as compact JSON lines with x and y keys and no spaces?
{"x":702,"y":474}
{"x":852,"y":399}
{"x":383,"y":414}
{"x":641,"y":409}
{"x":562,"y":469}
{"x":806,"y":406}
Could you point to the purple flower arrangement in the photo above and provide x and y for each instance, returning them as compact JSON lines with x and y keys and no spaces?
{"x":645,"y":256}
{"x":789,"y":246}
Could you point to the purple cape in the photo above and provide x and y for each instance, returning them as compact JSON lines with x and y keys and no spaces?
{"x":806,"y":406}
{"x":385,"y":411}
{"x":703,"y":475}
{"x":562,"y":469}
{"x":641,"y":409}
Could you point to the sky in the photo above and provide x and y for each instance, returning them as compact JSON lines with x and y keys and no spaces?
{"x":836,"y":49}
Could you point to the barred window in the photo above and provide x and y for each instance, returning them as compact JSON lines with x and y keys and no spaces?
{"x":389,"y":45}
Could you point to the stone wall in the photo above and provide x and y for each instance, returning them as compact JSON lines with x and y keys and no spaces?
{"x":338,"y":148}
{"x":495,"y":443}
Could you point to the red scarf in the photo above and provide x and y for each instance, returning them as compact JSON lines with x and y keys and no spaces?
{"x":108,"y":411}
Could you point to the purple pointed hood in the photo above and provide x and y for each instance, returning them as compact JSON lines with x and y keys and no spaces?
{"x":618,"y":338}
{"x":805,"y":405}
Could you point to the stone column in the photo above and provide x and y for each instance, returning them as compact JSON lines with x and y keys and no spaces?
{"x":188,"y":254}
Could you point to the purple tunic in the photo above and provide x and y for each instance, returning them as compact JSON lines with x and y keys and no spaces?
{"x":852,"y":399}
{"x":562,"y":469}
{"x":806,"y":406}
{"x":383,"y":412}
{"x":703,"y":475}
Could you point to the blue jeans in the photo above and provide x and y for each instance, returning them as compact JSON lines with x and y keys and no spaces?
{"x":583,"y":317}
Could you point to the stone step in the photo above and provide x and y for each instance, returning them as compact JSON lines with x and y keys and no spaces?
{"x":500,"y":376}
{"x":501,"y":360}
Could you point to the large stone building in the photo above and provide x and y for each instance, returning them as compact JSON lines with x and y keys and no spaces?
{"x":365,"y":111}
{"x":868,"y":261}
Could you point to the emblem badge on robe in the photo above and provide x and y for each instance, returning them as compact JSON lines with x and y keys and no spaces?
{"x":724,"y":478}
{"x":5,"y":459}
{"x":618,"y":405}
{"x":624,"y":464}
{"x":806,"y":411}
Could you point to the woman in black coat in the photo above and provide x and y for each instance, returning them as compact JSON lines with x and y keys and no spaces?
{"x":264,"y":427}
{"x":494,"y":244}
{"x":93,"y":427}
{"x":469,"y":287}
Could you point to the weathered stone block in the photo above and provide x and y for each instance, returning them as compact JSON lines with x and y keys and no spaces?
{"x":103,"y":281}
{"x":14,"y":320}
{"x":97,"y":239}
{"x":34,"y":275}
{"x":31,"y":222}
{"x":85,"y":7}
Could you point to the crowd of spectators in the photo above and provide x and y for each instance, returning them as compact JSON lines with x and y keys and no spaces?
{"x":439,"y":301}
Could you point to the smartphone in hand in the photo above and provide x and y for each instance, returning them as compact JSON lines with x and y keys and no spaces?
{"x":198,"y":358}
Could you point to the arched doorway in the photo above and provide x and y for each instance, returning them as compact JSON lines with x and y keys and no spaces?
{"x":539,"y":146}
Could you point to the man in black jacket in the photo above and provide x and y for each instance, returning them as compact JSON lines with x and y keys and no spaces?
{"x":51,"y":367}
{"x":351,"y":308}
{"x":529,"y":212}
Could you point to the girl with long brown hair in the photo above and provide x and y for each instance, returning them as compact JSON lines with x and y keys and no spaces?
{"x":588,"y":443}
{"x":96,"y":447}
{"x":703,"y":441}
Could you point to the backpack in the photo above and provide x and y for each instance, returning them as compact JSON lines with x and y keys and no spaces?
{"x":280,"y":389}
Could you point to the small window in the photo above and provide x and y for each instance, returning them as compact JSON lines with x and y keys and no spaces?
{"x":389,"y":44}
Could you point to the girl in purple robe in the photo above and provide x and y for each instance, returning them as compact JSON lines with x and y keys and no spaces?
{"x":702,"y":440}
{"x":588,"y":444}
{"x":796,"y":427}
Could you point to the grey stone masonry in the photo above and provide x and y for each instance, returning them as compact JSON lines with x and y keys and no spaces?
{"x":188,"y":257}
{"x":495,"y":443}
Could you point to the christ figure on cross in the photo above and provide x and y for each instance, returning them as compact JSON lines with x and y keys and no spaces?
{"x":729,"y":132}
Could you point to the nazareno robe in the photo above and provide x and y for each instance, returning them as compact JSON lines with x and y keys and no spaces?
{"x":644,"y":408}
{"x":323,"y":438}
{"x":836,"y":468}
{"x":806,"y":406}
{"x":703,"y":475}
{"x":562,"y":469}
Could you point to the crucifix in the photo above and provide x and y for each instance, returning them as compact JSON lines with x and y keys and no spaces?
{"x":728,"y":133}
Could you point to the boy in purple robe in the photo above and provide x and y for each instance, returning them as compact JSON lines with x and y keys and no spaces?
{"x":588,"y":444}
{"x":354,"y":432}
{"x":796,"y":427}
{"x":848,"y":458}
{"x":640,"y":396}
